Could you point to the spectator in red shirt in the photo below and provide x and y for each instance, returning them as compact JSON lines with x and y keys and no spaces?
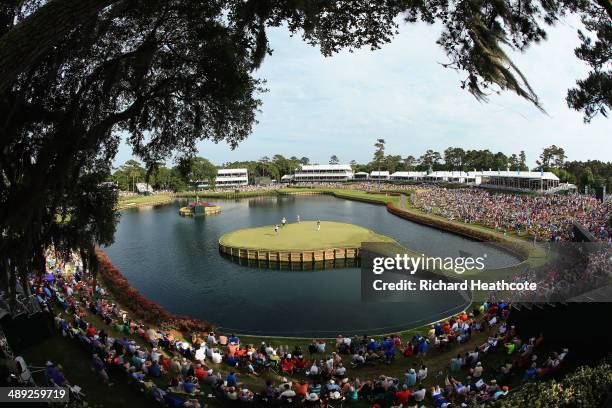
{"x":200,"y":372}
{"x":403,"y":395}
{"x":301,"y":388}
{"x":91,"y":331}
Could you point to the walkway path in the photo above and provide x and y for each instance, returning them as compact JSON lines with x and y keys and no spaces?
{"x":403,"y":199}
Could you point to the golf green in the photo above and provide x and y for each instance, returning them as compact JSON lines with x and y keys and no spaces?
{"x":303,"y":236}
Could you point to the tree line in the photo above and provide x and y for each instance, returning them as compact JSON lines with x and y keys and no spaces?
{"x":185,"y":175}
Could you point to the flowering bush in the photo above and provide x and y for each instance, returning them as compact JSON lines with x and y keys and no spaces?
{"x":141,"y":307}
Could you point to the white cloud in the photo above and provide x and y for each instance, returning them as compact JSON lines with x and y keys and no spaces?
{"x":321,"y":106}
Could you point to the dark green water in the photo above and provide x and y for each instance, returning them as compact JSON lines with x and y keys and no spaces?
{"x":175,"y":261}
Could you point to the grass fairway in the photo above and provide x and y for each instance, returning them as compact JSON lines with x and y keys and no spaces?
{"x":302,"y":236}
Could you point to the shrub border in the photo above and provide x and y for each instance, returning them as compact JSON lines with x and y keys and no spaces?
{"x":140,"y":306}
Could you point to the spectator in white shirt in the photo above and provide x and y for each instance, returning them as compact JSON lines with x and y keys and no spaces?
{"x":419,"y":395}
{"x":216,"y":357}
{"x":422,"y":374}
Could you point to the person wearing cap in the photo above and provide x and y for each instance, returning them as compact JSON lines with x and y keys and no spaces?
{"x":476,"y":372}
{"x":410,"y":377}
{"x":312,"y":397}
{"x":232,"y":348}
{"x":402,"y":396}
{"x":212,"y":378}
{"x":287,"y":364}
{"x":331,"y":386}
{"x":422,"y":348}
{"x":336,"y":396}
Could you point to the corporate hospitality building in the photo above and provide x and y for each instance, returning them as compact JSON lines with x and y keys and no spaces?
{"x":524,"y":180}
{"x":512,"y":180}
{"x":362,"y":176}
{"x":232,"y":178}
{"x":380,"y":176}
{"x":324,"y":173}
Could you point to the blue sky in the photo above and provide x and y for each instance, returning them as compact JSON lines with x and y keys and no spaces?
{"x":340,"y":105}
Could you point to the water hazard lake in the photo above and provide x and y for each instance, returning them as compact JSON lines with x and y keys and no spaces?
{"x":175,"y":261}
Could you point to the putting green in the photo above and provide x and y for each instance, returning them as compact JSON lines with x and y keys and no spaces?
{"x":302,"y":236}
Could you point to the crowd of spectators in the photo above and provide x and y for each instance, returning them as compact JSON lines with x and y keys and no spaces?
{"x":245,"y":189}
{"x":547,"y":217}
{"x":543,"y":217}
{"x":179,"y":371}
{"x":370,"y":186}
{"x":575,"y":269}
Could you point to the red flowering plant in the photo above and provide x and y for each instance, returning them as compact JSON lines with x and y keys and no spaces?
{"x":141,"y":307}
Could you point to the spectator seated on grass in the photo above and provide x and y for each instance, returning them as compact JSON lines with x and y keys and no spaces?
{"x":124,"y":348}
{"x":55,"y":375}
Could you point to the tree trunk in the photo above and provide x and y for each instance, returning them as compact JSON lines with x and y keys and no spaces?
{"x":94,"y":266}
{"x":34,"y":36}
{"x":84,"y":260}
